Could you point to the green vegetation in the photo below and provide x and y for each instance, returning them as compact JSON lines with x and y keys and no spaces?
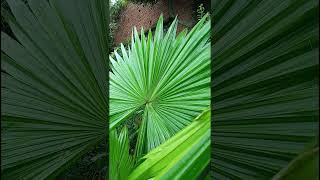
{"x":166,"y":79}
{"x":200,"y":11}
{"x":115,"y":11}
{"x":184,"y":156}
{"x":265,"y":68}
{"x":53,"y":86}
{"x":143,"y":1}
{"x":121,"y":162}
{"x":54,"y":93}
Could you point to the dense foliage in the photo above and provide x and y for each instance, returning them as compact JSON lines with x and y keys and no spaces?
{"x":184,"y":156}
{"x":115,"y":11}
{"x":265,"y":88}
{"x":165,"y":78}
{"x":53,"y":86}
{"x":265,"y":68}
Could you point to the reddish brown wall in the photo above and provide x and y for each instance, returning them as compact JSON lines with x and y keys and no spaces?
{"x":146,"y":16}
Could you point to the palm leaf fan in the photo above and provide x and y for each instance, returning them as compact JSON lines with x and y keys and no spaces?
{"x":265,"y":85}
{"x":53,"y":86}
{"x":165,"y":76}
{"x":186,"y":155}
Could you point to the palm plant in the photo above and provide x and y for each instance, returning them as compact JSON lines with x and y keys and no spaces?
{"x":304,"y":166}
{"x":265,"y":91}
{"x":184,"y":156}
{"x":53,"y":86}
{"x":166,"y":77}
{"x":265,"y":87}
{"x":121,"y":162}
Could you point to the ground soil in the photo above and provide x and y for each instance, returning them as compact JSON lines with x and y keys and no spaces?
{"x":146,"y":16}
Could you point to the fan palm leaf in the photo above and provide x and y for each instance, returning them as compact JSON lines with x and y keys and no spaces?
{"x":265,"y":85}
{"x":53,"y":86}
{"x":121,"y":162}
{"x":166,"y":76}
{"x":184,"y":156}
{"x":304,"y":166}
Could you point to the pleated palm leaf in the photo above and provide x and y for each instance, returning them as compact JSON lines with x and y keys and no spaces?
{"x":165,"y":76}
{"x":265,"y":71}
{"x":121,"y":162}
{"x":53,"y":86}
{"x":186,"y":155}
{"x":304,"y":166}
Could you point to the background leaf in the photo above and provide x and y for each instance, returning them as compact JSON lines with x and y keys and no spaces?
{"x":265,"y":83}
{"x":54,"y":86}
{"x":304,"y":166}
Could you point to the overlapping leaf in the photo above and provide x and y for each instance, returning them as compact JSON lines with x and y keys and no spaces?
{"x":53,"y":86}
{"x":121,"y":162}
{"x":165,"y":76}
{"x":183,"y":156}
{"x":304,"y":166}
{"x":265,"y":85}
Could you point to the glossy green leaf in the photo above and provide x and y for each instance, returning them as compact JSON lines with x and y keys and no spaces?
{"x":183,"y":156}
{"x":166,"y":76}
{"x":121,"y":162}
{"x":53,"y":86}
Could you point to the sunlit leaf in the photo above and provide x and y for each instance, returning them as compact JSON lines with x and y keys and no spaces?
{"x":166,"y":76}
{"x":183,"y":156}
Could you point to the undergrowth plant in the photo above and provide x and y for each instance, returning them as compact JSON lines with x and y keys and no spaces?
{"x":115,"y":12}
{"x":200,"y":11}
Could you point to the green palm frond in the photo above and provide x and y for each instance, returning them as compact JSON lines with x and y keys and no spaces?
{"x":166,"y":76}
{"x":184,"y":156}
{"x":265,"y":85}
{"x":121,"y":162}
{"x":53,"y":86}
{"x":304,"y":166}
